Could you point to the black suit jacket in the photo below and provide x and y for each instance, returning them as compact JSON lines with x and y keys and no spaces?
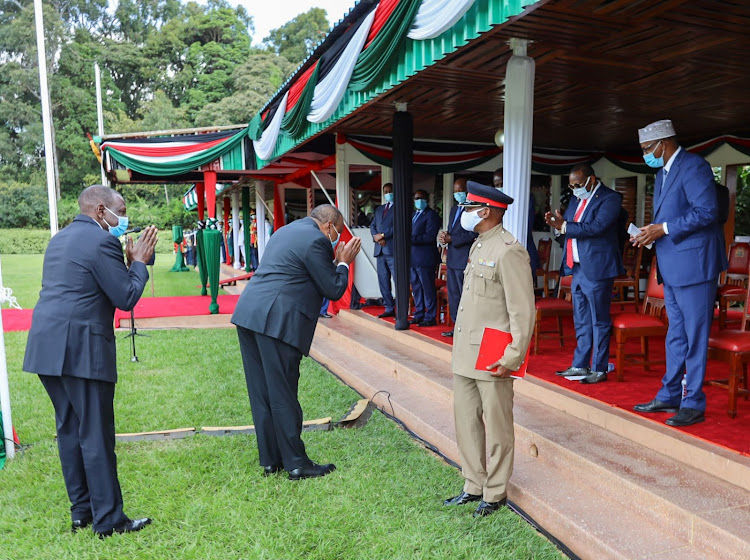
{"x":461,"y":241}
{"x":383,"y":224}
{"x":83,"y":280}
{"x":282,"y":300}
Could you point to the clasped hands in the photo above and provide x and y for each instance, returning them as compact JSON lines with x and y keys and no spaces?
{"x":346,"y":252}
{"x":444,"y":237}
{"x":554,"y":220}
{"x":379,"y":238}
{"x":648,"y":235}
{"x":144,"y":248}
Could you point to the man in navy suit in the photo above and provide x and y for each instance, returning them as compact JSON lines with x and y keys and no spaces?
{"x":425,"y":225}
{"x":71,"y":346}
{"x":459,"y":244}
{"x":381,"y":229}
{"x":276,"y":317}
{"x":592,"y":255}
{"x":691,"y":254}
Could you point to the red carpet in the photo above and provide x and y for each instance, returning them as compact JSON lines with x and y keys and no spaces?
{"x":639,"y":386}
{"x":17,"y":319}
{"x":179,"y":306}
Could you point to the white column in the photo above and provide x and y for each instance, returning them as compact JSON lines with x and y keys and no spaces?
{"x":260,"y":216}
{"x":342,"y":183}
{"x":448,"y":179}
{"x":640,"y":201}
{"x":236,"y":226}
{"x":10,"y":450}
{"x":518,"y":127}
{"x":386,"y":175}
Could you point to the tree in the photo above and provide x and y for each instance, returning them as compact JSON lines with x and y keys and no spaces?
{"x":295,"y":40}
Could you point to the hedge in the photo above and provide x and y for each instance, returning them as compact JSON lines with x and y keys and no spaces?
{"x":34,"y":241}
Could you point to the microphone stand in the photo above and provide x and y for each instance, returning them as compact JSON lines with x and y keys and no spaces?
{"x":132,"y":334}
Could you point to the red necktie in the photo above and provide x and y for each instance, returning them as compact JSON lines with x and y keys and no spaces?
{"x":385,"y":210}
{"x":569,"y":242}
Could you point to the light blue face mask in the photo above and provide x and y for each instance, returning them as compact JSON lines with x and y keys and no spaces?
{"x":652,"y":161}
{"x":420,"y":204}
{"x":580,"y":192}
{"x":460,"y":197}
{"x":336,"y":241}
{"x":388,"y":197}
{"x":122,"y":224}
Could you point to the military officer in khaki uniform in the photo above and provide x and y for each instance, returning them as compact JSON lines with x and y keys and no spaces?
{"x":497,"y":293}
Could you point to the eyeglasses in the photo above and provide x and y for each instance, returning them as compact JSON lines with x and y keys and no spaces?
{"x":419,"y":198}
{"x":651,"y":147}
{"x":575,"y":186}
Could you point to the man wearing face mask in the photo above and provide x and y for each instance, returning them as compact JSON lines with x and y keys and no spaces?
{"x":276,"y":317}
{"x":381,"y":229}
{"x":593,"y":256}
{"x":425,"y":225}
{"x":496,"y":294}
{"x":690,"y":253}
{"x":459,"y":242}
{"x":71,"y":346}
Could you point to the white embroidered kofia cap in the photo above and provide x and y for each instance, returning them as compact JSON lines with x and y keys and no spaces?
{"x":656,"y":131}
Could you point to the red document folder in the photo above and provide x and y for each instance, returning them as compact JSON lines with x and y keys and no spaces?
{"x":492,"y":349}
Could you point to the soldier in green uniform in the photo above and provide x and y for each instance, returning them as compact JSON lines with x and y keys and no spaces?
{"x":497,"y":293}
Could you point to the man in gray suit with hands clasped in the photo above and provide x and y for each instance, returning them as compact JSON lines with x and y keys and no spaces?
{"x":276,"y":317}
{"x":71,"y":346}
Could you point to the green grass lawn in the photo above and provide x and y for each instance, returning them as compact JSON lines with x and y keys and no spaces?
{"x":23,"y":274}
{"x":206,"y":494}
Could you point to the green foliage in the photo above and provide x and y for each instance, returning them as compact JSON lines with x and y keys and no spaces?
{"x":742,"y":212}
{"x":23,"y":241}
{"x":295,"y":39}
{"x":23,"y":205}
{"x":206,"y":494}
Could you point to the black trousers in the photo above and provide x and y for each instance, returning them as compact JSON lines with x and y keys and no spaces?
{"x":272,"y":376}
{"x":85,"y":418}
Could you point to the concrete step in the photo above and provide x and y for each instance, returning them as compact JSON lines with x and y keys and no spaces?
{"x":602,"y":494}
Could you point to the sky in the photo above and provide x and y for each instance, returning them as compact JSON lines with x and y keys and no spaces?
{"x":271,"y":14}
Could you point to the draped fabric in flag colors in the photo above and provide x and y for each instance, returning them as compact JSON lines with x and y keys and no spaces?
{"x":177,"y":238}
{"x":200,"y":247}
{"x":346,"y":300}
{"x":211,"y":243}
{"x":173,"y":155}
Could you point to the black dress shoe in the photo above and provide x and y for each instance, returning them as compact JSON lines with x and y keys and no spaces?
{"x":313,"y":470}
{"x":686,"y":417}
{"x":268,"y":470}
{"x":78,"y":524}
{"x":447,"y":333}
{"x":385,"y":314}
{"x":594,"y":377}
{"x":326,"y":315}
{"x":488,"y":508}
{"x":573,"y":371}
{"x":415,"y":321}
{"x":130,"y":526}
{"x":461,"y":499}
{"x":655,"y":406}
{"x":429,"y":323}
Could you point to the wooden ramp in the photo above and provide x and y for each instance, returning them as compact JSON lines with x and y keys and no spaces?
{"x":607,"y":483}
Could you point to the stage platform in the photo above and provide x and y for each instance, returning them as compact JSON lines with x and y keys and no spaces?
{"x":607,"y":482}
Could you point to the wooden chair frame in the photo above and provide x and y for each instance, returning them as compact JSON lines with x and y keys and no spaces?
{"x":558,"y":307}
{"x":632,"y":277}
{"x":544,"y":249}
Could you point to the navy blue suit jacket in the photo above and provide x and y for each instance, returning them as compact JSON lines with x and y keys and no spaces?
{"x":383,"y":224}
{"x":461,"y":241}
{"x":424,"y":231}
{"x":693,"y":252}
{"x":282,"y":300}
{"x":598,"y":248}
{"x":84,"y":278}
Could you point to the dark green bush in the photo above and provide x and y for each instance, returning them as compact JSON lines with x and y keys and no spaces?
{"x":18,"y":241}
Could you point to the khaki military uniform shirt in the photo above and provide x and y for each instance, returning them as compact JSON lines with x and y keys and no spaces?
{"x":497,"y":293}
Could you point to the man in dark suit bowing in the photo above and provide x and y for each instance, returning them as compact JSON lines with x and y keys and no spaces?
{"x":71,"y":346}
{"x":276,"y":317}
{"x":690,"y":254}
{"x":592,"y":255}
{"x":425,"y":226}
{"x":459,"y":243}
{"x":381,"y":229}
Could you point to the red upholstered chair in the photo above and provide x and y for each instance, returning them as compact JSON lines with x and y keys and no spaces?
{"x":733,"y":347}
{"x":650,"y":322}
{"x":631,"y":280}
{"x":545,"y":256}
{"x":735,"y":281}
{"x":558,"y":308}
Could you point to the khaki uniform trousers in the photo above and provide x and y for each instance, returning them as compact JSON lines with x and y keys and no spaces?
{"x":478,"y":437}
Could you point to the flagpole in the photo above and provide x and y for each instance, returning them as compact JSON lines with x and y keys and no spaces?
{"x":10,"y":449}
{"x":100,"y":116}
{"x":46,"y":118}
